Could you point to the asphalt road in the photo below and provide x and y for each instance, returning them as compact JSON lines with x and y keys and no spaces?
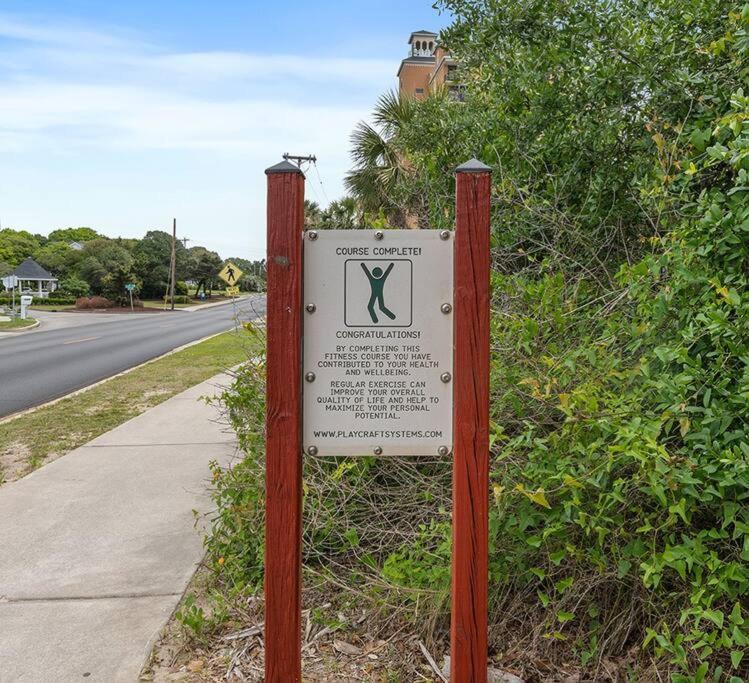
{"x":39,"y":366}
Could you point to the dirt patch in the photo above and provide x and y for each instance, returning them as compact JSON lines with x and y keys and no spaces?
{"x":154,"y":393}
{"x":14,"y":461}
{"x":340,"y":643}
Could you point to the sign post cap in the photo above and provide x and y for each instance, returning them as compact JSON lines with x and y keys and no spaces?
{"x":284,"y":167}
{"x":473,"y":166}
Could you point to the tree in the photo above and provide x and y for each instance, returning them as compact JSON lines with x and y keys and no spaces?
{"x":104,"y":264}
{"x":203,"y":267}
{"x":342,"y":214}
{"x":74,"y":286}
{"x":16,"y":245}
{"x":153,"y":257}
{"x":312,"y":215}
{"x":93,"y":272}
{"x":379,"y":161}
{"x":68,"y":235}
{"x":58,"y":258}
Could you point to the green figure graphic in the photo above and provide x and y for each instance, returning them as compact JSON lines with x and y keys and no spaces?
{"x":377,"y":284}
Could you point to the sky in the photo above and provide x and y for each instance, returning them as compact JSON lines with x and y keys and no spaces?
{"x":122,"y":115}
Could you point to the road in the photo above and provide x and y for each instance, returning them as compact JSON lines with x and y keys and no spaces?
{"x":39,"y":366}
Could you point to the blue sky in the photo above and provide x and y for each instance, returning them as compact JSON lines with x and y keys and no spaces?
{"x":120,"y":115}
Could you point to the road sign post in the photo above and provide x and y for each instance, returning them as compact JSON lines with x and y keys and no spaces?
{"x":130,"y":287}
{"x":283,"y":467}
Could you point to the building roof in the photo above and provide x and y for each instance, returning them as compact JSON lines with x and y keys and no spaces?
{"x":31,"y":270}
{"x":418,"y":61}
{"x":429,"y":34}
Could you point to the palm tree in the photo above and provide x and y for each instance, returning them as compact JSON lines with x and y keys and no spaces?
{"x":312,"y":215}
{"x":378,"y":163}
{"x":343,"y":214}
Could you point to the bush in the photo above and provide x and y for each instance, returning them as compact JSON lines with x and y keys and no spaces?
{"x":180,"y":287}
{"x":50,"y":301}
{"x":619,"y":520}
{"x":93,"y":302}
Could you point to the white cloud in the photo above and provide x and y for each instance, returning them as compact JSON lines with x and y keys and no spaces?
{"x":158,"y":99}
{"x":82,"y":98}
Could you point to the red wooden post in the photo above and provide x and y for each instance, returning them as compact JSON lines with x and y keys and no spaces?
{"x":470,"y":572}
{"x":283,"y":467}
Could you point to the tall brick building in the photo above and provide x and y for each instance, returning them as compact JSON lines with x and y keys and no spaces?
{"x":429,"y":66}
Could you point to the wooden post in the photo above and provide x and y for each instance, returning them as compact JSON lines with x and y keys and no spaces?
{"x":470,"y":554}
{"x":283,"y":468}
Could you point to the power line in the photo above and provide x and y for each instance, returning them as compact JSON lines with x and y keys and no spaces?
{"x":319,"y":178}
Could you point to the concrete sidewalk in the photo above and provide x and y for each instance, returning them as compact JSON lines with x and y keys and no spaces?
{"x":96,"y":548}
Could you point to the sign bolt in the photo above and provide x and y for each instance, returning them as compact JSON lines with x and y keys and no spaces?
{"x":442,"y":450}
{"x":446,"y":308}
{"x":310,"y":308}
{"x":312,"y":450}
{"x":312,"y":235}
{"x":379,"y":234}
{"x":445,"y":235}
{"x":310,"y":376}
{"x":377,"y":450}
{"x":445,"y":377}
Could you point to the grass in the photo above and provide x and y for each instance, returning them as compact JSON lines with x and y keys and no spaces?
{"x":16,"y":324}
{"x":155,"y":303}
{"x":30,"y":440}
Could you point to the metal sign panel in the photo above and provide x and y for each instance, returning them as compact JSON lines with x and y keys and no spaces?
{"x":10,"y":282}
{"x":378,"y":342}
{"x":230,"y":273}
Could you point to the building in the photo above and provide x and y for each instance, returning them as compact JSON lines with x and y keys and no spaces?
{"x":428,"y":67}
{"x":33,"y":279}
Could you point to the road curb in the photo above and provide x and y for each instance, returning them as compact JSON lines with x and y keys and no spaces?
{"x":14,"y":416}
{"x":201,"y":307}
{"x":22,"y":329}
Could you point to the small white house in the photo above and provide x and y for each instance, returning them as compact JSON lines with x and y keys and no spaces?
{"x":34,"y":279}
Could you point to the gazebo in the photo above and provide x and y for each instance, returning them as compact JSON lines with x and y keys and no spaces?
{"x":29,"y":272}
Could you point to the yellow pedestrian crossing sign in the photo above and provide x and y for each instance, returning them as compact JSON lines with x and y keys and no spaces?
{"x":230,"y":274}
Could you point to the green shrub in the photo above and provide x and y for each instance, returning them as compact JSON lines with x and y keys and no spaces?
{"x":49,"y":301}
{"x":619,"y":521}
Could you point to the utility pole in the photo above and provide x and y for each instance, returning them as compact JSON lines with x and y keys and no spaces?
{"x":173,"y":269}
{"x":299,"y":159}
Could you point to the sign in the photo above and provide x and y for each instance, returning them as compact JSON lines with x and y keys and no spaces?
{"x":10,"y":282}
{"x":230,"y":274}
{"x":351,"y":307}
{"x":130,"y":287}
{"x":232,"y":291}
{"x":378,"y":342}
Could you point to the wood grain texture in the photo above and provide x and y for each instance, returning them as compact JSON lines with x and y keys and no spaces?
{"x":283,"y":473}
{"x":470,"y":571}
